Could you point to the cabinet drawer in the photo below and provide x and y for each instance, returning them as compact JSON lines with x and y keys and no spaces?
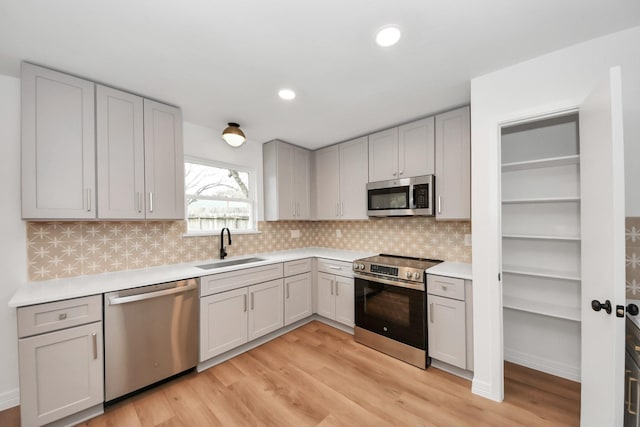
{"x":340,"y":268}
{"x":37,"y":319}
{"x":234,"y":279}
{"x":291,"y":268}
{"x":447,"y":287}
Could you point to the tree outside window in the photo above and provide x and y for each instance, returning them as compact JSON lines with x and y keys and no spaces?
{"x":217,"y":196}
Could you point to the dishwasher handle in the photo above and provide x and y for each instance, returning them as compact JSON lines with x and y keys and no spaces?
{"x":150,"y":295}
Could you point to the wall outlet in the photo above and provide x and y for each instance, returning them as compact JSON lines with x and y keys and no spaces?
{"x":467,"y":239}
{"x":338,"y":233}
{"x":295,"y":234}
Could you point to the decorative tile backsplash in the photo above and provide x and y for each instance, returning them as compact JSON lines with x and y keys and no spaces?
{"x":632,"y":249}
{"x":67,"y":249}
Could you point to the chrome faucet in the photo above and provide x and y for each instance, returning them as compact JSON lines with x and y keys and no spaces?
{"x":223,"y":252}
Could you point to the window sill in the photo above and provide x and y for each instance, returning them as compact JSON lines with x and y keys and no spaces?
{"x":217,"y":233}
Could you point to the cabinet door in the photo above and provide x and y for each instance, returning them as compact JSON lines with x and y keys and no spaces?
{"x":328,"y":183}
{"x":163,"y":161}
{"x":345,"y":300}
{"x":446,"y":330}
{"x":297,"y":298}
{"x":301,"y":179}
{"x":223,"y":322}
{"x":453,"y":165}
{"x":383,"y":155}
{"x":61,"y":373}
{"x":266,"y":308}
{"x":120,"y":154}
{"x":416,"y":148}
{"x":284,"y":178}
{"x":326,"y":299}
{"x":353,"y":178}
{"x":58,"y":145}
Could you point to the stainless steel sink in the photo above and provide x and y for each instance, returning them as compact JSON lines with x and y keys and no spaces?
{"x":229,"y":263}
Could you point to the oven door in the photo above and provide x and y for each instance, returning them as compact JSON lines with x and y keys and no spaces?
{"x":395,"y":312}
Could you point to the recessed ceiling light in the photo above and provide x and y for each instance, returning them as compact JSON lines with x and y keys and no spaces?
{"x":287,"y":94}
{"x":388,"y":36}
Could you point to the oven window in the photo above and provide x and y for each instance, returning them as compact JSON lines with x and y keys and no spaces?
{"x":389,"y":198}
{"x":388,"y":306}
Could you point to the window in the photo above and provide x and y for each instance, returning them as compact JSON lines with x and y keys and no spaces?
{"x":217,"y":196}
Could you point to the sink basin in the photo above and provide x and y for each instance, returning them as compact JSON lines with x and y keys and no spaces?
{"x":229,"y":263}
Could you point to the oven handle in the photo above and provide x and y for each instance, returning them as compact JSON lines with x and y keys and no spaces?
{"x":417,"y":286}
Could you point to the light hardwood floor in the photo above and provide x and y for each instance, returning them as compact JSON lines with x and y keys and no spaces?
{"x":318,"y":376}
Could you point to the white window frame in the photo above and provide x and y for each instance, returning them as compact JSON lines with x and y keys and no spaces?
{"x":252,"y":197}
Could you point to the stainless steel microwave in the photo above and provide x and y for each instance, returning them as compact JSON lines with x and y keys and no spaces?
{"x":402,"y":197}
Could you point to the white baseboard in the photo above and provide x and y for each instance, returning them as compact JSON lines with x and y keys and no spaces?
{"x":9,"y":399}
{"x":542,"y":364}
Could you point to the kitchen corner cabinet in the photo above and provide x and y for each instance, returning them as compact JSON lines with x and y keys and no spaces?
{"x":449,"y":317}
{"x":335,"y":291}
{"x":453,"y":165}
{"x":61,"y":359}
{"x":298,"y":297}
{"x":58,"y":145}
{"x":287,"y":180}
{"x":402,"y":152}
{"x":341,"y":179}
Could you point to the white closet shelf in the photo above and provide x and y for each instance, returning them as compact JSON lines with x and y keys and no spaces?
{"x":541,"y":163}
{"x":541,"y":272}
{"x":541,"y":200}
{"x":542,"y":308}
{"x":540,"y":237}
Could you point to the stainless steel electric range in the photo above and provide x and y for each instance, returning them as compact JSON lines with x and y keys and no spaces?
{"x":391,"y":306}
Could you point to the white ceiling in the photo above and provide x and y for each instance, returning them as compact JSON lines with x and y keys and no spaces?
{"x":225,"y":60}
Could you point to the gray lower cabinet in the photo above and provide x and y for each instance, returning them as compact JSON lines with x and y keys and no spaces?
{"x":449,"y":320}
{"x":232,"y":314}
{"x":335,"y":291}
{"x":298,"y":285}
{"x":61,"y":364}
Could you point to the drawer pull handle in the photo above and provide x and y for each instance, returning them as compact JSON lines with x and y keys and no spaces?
{"x":333,"y":267}
{"x":94,"y":336}
{"x":444,"y":287}
{"x":62,"y":316}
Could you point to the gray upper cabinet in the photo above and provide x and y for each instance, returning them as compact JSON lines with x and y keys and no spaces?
{"x":341,"y":179}
{"x":453,"y":165}
{"x":163,"y":161}
{"x":286,"y":181}
{"x":402,"y":152}
{"x":120,"y":154}
{"x":58,"y":145}
{"x":90,"y":151}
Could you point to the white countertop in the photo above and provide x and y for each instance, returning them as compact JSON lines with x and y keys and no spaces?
{"x":59,"y":289}
{"x":460,"y":270}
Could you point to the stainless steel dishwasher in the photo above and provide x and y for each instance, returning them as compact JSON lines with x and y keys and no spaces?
{"x":151,"y":333}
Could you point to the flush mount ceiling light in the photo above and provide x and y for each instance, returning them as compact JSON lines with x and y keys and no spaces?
{"x":388,"y":36}
{"x":233,"y":135}
{"x":286,"y":94}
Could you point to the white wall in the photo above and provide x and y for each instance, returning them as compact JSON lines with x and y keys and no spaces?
{"x":13,"y":246}
{"x":204,"y":142}
{"x":552,"y":82}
